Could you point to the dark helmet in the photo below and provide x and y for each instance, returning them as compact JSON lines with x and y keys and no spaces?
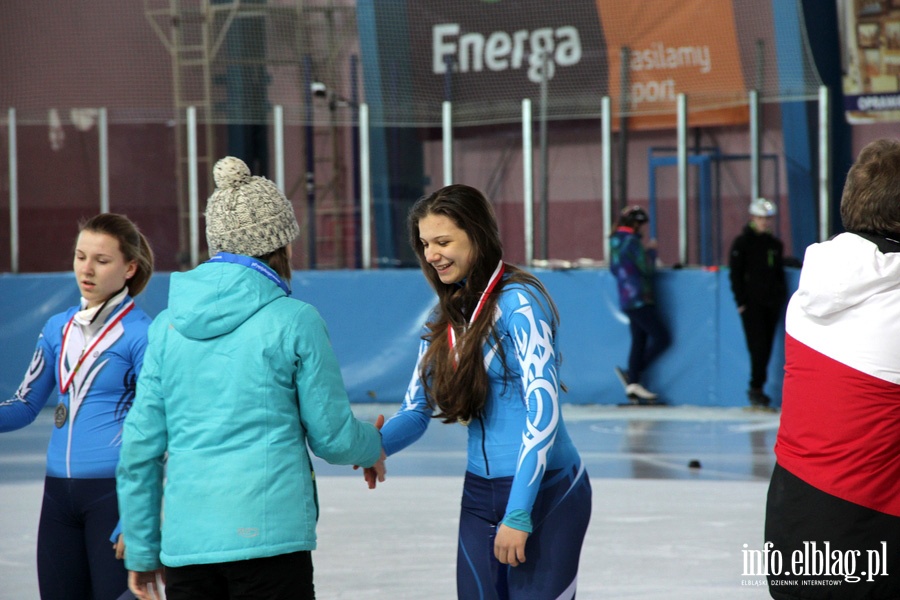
{"x":632,"y":215}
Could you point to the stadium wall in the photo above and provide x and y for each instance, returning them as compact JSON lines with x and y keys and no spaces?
{"x":58,"y":159}
{"x":375,"y":318}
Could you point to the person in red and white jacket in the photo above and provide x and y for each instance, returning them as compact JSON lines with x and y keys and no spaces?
{"x":833,"y":510}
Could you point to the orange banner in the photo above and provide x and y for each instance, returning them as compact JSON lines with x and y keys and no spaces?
{"x":675,"y":46}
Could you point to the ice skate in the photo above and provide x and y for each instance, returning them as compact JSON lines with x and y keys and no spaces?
{"x":639,"y":392}
{"x":638,"y":395}
{"x":759,"y":401}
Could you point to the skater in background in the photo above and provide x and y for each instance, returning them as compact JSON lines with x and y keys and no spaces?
{"x":757,"y":281}
{"x":836,"y":483}
{"x":239,"y":378}
{"x":488,"y":359}
{"x":633,"y":264}
{"x":88,"y":358}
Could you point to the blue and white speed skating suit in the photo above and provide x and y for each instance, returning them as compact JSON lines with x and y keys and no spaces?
{"x":523,"y":469}
{"x":79,"y":511}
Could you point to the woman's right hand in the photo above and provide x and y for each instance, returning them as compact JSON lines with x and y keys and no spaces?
{"x":143,"y":584}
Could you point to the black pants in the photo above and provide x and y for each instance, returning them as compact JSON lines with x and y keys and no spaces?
{"x":760,"y":323}
{"x":282,"y":577}
{"x":802,"y":520}
{"x":75,"y":556}
{"x":649,"y":338}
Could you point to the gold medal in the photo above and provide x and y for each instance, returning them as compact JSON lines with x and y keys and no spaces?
{"x":60,"y":415}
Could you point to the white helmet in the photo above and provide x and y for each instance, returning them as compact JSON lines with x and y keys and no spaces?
{"x":763,"y":208}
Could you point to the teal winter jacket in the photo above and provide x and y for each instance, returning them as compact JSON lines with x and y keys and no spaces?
{"x":238,"y":379}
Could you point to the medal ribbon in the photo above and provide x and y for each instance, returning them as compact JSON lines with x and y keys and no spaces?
{"x":492,"y":283}
{"x":62,"y":354}
{"x":254,"y":264}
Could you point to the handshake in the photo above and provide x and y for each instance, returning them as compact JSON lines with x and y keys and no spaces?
{"x":376,"y":472}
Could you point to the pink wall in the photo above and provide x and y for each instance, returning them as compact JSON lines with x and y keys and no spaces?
{"x":492,"y":162}
{"x":85,"y":50}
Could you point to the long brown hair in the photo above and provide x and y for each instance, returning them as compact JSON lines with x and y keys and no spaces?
{"x":458,"y":389}
{"x":279,"y":261}
{"x":132,"y":243}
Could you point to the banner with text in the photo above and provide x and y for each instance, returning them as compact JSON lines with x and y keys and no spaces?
{"x":871,"y":41}
{"x":501,"y":51}
{"x":668,"y":53}
{"x":491,"y":55}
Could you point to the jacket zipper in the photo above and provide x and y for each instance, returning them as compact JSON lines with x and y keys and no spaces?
{"x":487,"y":467}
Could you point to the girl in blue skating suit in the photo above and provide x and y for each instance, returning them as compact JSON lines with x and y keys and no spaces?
{"x":88,"y":358}
{"x":488,"y":359}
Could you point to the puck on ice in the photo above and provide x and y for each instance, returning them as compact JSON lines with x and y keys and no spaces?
{"x":694,"y":464}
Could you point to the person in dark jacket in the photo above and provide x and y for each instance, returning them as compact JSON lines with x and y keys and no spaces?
{"x":757,"y":281}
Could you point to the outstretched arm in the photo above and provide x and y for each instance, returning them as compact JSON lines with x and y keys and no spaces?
{"x":333,"y":433}
{"x":31,"y":396}
{"x":409,"y":423}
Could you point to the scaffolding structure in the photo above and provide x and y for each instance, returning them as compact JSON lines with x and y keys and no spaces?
{"x":288,"y":45}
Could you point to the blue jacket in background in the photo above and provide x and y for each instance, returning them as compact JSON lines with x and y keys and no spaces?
{"x":238,"y":378}
{"x":633,"y":266}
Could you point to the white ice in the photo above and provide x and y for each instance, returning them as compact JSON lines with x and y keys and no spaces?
{"x":679,"y":538}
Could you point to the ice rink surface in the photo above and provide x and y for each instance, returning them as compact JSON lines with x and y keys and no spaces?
{"x":660,"y":530}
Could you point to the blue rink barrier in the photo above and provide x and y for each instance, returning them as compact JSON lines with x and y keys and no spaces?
{"x":375,"y":320}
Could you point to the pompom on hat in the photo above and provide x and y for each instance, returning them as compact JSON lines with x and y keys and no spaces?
{"x":247,"y":215}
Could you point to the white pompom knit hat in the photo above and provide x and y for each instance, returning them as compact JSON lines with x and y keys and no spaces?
{"x":247,"y":215}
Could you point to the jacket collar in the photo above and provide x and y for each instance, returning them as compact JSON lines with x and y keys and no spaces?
{"x":884,"y":243}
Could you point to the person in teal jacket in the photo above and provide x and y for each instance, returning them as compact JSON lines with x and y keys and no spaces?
{"x":238,"y":379}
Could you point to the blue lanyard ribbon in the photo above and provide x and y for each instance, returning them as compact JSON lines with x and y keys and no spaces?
{"x":254,"y":264}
